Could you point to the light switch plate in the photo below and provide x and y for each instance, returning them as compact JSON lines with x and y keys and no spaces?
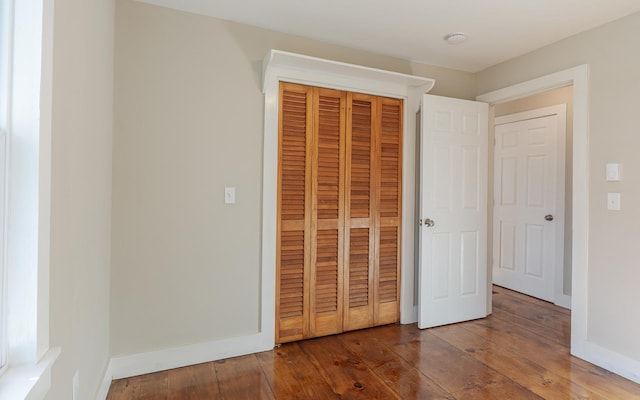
{"x":613,"y":201}
{"x":229,"y":195}
{"x":613,"y":172}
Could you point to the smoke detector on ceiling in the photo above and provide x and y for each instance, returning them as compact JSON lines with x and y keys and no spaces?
{"x":455,"y":37}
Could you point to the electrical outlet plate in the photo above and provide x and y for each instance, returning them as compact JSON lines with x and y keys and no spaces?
{"x":613,"y":201}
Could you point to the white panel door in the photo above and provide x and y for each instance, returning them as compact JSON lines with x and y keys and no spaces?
{"x":453,"y":211}
{"x":528,"y":217}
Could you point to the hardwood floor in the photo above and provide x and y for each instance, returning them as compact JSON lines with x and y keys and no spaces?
{"x":519,"y":352}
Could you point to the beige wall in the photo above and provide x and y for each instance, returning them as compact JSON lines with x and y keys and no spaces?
{"x":81,"y":193}
{"x":614,"y":70}
{"x":558,"y":96}
{"x":188,"y":122}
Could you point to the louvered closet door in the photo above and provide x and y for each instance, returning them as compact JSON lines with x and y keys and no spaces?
{"x":294,"y":212}
{"x":327,"y":215}
{"x":373,"y":211}
{"x":338,"y":234}
{"x":360,"y":215}
{"x":388,"y":201}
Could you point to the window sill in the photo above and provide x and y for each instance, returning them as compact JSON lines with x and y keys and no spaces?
{"x":29,"y":382}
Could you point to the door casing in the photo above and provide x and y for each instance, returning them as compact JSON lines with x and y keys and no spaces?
{"x":578,"y":78}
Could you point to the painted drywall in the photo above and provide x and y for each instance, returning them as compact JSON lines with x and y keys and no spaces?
{"x":558,"y":96}
{"x":614,"y":70}
{"x":189,"y":121}
{"x":82,"y":99}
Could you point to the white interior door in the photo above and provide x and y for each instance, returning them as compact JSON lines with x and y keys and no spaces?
{"x":453,"y":211}
{"x":528,"y":218}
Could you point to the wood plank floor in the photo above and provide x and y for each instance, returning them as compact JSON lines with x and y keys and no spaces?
{"x":519,"y":352}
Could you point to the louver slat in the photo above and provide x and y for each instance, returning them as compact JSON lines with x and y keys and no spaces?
{"x":388,"y":277}
{"x":326,"y":283}
{"x":328,"y":167}
{"x":359,"y":268}
{"x":291,"y":274}
{"x":293,"y":155}
{"x":360,"y":159}
{"x":390,"y":160}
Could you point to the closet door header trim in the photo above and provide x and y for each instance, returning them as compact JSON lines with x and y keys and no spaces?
{"x":297,"y":68}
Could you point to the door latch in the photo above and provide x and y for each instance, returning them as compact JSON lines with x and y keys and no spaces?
{"x":428,"y":222}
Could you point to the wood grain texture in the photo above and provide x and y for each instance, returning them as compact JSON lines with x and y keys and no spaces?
{"x":292,"y":375}
{"x":243,"y":378}
{"x":193,"y":383}
{"x":149,"y":387}
{"x":499,"y":357}
{"x":345,"y":372}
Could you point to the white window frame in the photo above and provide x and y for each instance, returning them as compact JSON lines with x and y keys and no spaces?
{"x":28,"y":200}
{"x":5,"y":66}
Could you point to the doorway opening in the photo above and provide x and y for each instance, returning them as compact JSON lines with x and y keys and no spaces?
{"x":578,"y":77}
{"x":520,"y":153}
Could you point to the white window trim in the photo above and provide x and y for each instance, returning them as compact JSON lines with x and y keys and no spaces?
{"x":5,"y":29}
{"x":28,"y":217}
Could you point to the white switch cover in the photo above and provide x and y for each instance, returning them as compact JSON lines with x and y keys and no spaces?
{"x":613,"y":172}
{"x":613,"y":201}
{"x":229,"y":195}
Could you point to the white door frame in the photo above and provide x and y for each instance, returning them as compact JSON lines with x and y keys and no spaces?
{"x":578,"y":77}
{"x":557,"y":293}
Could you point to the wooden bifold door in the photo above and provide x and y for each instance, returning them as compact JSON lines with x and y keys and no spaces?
{"x":339,"y":211}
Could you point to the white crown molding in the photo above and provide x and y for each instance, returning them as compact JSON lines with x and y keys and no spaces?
{"x":281,"y":65}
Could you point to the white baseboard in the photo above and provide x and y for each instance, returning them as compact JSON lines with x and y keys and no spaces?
{"x":610,"y":360}
{"x":144,"y":363}
{"x":563,"y":301}
{"x":409,"y":318}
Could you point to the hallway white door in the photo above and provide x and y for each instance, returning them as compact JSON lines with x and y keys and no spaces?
{"x":528,"y":220}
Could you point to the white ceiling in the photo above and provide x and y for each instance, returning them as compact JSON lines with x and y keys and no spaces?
{"x":497,"y":30}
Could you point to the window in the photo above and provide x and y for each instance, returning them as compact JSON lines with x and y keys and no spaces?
{"x":26,"y":59}
{"x":4,"y":122}
{"x":26,"y":65}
